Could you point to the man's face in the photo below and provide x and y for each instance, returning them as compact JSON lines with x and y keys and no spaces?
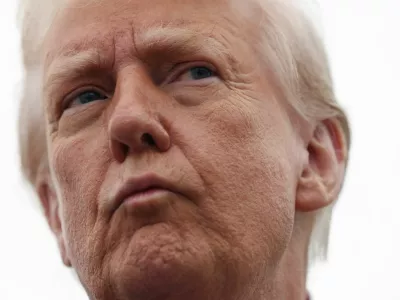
{"x":173,"y":93}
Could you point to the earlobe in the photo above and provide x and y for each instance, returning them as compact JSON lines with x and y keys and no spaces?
{"x":320,"y":182}
{"x":311,"y":192}
{"x":50,"y":205}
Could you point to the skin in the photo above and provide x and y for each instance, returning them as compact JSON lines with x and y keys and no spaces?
{"x":246,"y":183}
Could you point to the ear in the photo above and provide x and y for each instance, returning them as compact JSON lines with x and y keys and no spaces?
{"x":51,"y":207}
{"x":323,"y":174}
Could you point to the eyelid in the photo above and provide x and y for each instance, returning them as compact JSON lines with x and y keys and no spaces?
{"x":75,"y":93}
{"x":184,"y":67}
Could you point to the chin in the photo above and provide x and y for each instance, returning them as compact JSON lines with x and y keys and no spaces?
{"x":162,"y":263}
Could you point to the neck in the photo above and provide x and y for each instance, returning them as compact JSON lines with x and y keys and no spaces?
{"x":290,"y":277}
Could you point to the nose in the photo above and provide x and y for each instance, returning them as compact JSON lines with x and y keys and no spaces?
{"x":134,"y":128}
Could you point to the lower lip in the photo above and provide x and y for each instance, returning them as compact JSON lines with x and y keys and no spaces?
{"x":150,"y":197}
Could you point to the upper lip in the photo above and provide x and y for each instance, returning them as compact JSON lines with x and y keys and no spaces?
{"x":140,"y":184}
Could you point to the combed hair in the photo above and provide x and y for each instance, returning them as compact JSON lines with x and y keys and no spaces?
{"x":291,"y":45}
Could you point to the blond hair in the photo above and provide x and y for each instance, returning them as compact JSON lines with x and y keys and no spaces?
{"x":292,"y":47}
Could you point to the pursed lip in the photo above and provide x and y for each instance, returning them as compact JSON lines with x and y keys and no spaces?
{"x":141,"y":184}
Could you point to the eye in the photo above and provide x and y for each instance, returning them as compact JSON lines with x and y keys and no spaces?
{"x":196,"y":73}
{"x":86,"y":97}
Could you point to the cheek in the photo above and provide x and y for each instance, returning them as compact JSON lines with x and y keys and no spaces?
{"x":78,"y":189}
{"x":241,"y":153}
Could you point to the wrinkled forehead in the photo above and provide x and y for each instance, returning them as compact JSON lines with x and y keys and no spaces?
{"x":90,"y":20}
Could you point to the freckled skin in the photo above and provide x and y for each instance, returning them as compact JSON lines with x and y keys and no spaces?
{"x":230,"y":146}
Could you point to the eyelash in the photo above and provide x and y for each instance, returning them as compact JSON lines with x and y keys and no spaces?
{"x":84,"y":89}
{"x":183,"y":67}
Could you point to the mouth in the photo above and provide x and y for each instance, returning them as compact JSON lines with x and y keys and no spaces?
{"x":144,"y":190}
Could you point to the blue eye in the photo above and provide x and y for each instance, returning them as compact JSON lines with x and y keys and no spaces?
{"x":87,"y":97}
{"x":196,"y":73}
{"x":90,"y":96}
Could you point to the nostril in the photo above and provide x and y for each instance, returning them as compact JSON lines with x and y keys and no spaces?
{"x":125,"y":150}
{"x":148,"y":140}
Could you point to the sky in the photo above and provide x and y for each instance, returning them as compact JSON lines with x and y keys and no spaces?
{"x":363,"y":42}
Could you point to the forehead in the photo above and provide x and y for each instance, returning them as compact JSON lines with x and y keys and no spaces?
{"x":100,"y":21}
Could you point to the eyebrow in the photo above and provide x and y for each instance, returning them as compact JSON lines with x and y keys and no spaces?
{"x":70,"y":67}
{"x":77,"y":58}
